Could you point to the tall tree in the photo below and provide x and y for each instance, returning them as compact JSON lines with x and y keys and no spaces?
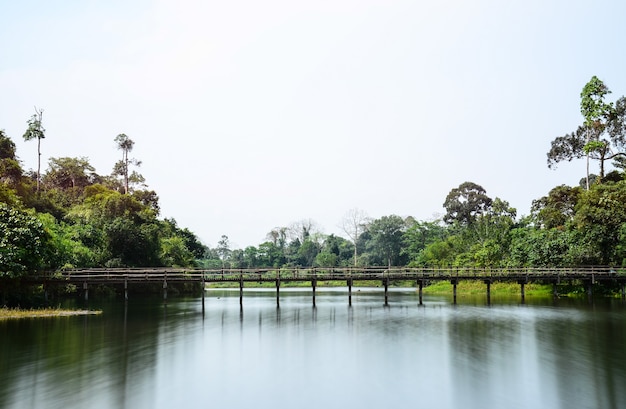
{"x":354,"y":223}
{"x":601,"y":137}
{"x":223,"y":249}
{"x":466,"y":202}
{"x":122,"y":168}
{"x":36,"y":131}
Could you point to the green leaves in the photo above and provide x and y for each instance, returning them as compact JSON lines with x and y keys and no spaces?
{"x":592,"y":105}
{"x":464,"y":203}
{"x":22,"y":242}
{"x":35,"y":130}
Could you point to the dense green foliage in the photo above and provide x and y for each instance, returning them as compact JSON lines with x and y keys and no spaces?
{"x":81,"y":219}
{"x":78,"y":218}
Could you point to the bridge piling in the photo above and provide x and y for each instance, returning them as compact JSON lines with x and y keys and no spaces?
{"x":86,"y":290}
{"x":349,"y":283}
{"x":126,"y":289}
{"x":165,"y":291}
{"x":203,"y":294}
{"x":386,"y":284}
{"x":277,"y":293}
{"x":488,"y":282}
{"x":589,"y":288}
{"x":454,"y":284}
{"x":241,"y":292}
{"x":420,"y":291}
{"x":313,"y":285}
{"x":522,"y":284}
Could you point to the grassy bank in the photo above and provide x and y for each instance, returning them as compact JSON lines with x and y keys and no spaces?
{"x":497,"y":288}
{"x":16,"y":313}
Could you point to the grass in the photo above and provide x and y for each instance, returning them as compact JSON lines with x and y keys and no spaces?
{"x":17,"y":313}
{"x":478,"y":287}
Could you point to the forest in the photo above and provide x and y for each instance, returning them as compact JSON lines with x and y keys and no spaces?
{"x":68,"y":216}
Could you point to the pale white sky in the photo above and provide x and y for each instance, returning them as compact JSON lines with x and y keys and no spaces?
{"x":249,"y":115}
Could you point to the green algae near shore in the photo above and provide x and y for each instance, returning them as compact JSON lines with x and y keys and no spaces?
{"x":16,"y":313}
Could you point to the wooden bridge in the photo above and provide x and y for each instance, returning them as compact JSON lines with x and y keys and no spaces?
{"x":586,"y":276}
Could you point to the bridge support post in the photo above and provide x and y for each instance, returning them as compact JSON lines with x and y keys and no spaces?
{"x":86,"y":290}
{"x":125,"y":289}
{"x":165,"y":291}
{"x":241,"y":292}
{"x":313,"y":286}
{"x":349,"y":292}
{"x":522,"y":284}
{"x":420,"y":291}
{"x":488,"y":282}
{"x":555,"y":290}
{"x":203,"y":293}
{"x":278,"y":293}
{"x":386,"y":285}
{"x":454,"y":282}
{"x":589,"y":288}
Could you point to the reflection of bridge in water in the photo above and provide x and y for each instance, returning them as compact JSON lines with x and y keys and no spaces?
{"x":584,"y":276}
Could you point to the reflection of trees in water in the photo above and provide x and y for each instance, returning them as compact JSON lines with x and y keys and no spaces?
{"x":586,"y":353}
{"x":67,"y":355}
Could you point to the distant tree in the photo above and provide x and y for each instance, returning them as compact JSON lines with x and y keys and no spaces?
{"x":464,"y":203}
{"x":66,"y":173}
{"x":36,"y":131}
{"x":223,"y":249}
{"x":122,"y":167}
{"x":421,"y":234}
{"x":601,"y":137}
{"x":303,"y":230}
{"x":557,"y":208}
{"x":354,"y":223}
{"x":387,"y":233}
{"x":175,"y":253}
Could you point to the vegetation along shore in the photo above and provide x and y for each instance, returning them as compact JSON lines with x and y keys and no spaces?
{"x":67,"y":215}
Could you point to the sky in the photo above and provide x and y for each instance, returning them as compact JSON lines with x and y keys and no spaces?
{"x":249,"y":115}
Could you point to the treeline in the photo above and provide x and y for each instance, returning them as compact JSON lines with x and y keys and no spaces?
{"x":570,"y":226}
{"x":70,"y":216}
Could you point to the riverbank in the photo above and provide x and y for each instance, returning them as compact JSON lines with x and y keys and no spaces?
{"x":16,"y":313}
{"x":478,"y":287}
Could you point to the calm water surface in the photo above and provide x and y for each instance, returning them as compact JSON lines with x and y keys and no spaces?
{"x":544,"y":354}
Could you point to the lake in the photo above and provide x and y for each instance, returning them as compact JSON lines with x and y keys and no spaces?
{"x":144,"y":354}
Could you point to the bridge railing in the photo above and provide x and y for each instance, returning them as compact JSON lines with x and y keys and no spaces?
{"x":337,"y":273}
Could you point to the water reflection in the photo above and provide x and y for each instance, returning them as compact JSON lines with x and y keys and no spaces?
{"x":541,"y":354}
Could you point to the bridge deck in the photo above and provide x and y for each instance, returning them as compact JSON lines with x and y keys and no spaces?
{"x":120,"y":275}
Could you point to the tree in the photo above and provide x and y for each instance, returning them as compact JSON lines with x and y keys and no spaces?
{"x":223,"y":249}
{"x":419,"y":235}
{"x":69,"y":173}
{"x":354,"y":223}
{"x":10,"y":169}
{"x":464,"y":203}
{"x":556,"y":209}
{"x":22,"y":242}
{"x":121,"y":168}
{"x":387,"y":233}
{"x":174,"y":252}
{"x":601,"y":137}
{"x":36,"y":131}
{"x":599,"y":219}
